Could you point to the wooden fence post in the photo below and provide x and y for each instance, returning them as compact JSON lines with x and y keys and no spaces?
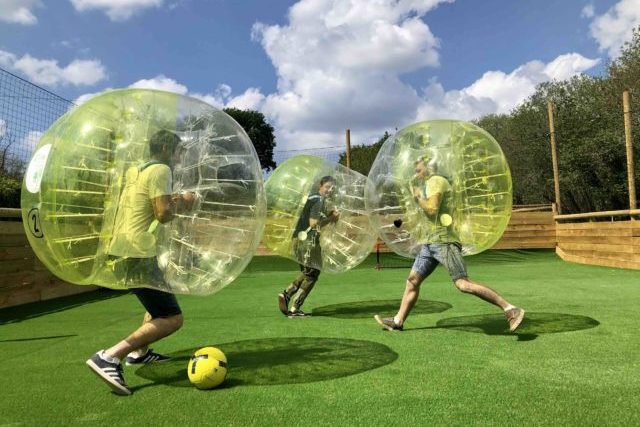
{"x":629,"y":143}
{"x":554,"y":156}
{"x":348,"y":153}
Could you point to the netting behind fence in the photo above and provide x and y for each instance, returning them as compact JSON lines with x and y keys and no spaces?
{"x":26,"y":111}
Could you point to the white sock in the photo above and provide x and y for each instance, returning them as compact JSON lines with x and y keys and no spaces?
{"x":396,"y":320}
{"x":509,"y":307}
{"x":108,"y":358}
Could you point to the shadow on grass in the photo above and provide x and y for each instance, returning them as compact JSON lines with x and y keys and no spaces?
{"x":39,"y":338}
{"x":41,"y":308}
{"x":366,"y":309}
{"x":273,"y":361}
{"x":533,"y":325}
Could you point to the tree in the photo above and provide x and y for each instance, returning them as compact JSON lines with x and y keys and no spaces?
{"x":362,"y":156}
{"x":261,"y":133}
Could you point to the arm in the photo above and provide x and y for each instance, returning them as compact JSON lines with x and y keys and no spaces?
{"x":165,"y":207}
{"x":430,"y":205}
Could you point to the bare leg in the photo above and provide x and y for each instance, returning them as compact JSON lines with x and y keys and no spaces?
{"x":410,"y":297}
{"x":150,"y":331}
{"x":467,"y":286}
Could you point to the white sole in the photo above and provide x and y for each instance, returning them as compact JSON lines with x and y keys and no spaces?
{"x":117,"y":388}
{"x":518,"y":322}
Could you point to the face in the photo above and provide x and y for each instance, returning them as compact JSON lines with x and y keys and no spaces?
{"x":326,"y":188}
{"x":421,"y":170}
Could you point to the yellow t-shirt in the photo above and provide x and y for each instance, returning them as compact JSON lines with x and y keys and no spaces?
{"x":436,"y":231}
{"x":131,"y":236}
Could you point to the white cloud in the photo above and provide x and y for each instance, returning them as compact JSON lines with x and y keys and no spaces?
{"x":339,"y":65}
{"x":497,"y":91}
{"x":30,"y":140}
{"x":588,"y":11}
{"x":116,"y":10}
{"x":615,"y":27}
{"x":19,"y":11}
{"x":161,"y":83}
{"x":79,"y":72}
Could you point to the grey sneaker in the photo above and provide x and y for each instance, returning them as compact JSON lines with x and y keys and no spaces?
{"x":283,"y":303}
{"x":297,"y":313}
{"x":110,"y":373}
{"x":149,"y":357}
{"x":514,"y":317}
{"x":388,"y":323}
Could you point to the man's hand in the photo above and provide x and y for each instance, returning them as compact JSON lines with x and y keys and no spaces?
{"x":417,"y":193}
{"x":335,"y":216}
{"x":184,"y":201}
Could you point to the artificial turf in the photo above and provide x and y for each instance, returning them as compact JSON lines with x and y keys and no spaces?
{"x":574,"y":360}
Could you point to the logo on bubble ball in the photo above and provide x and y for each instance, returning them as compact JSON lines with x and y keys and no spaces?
{"x":34,"y":223}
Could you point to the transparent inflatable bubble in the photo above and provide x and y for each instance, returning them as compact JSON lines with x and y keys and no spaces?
{"x":86,"y":196}
{"x":455,"y":159}
{"x":344,"y":236}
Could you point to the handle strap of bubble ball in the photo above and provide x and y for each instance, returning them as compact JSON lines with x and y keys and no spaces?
{"x":155,"y":222}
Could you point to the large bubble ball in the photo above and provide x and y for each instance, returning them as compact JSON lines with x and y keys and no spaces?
{"x":293,"y":192}
{"x":457,"y":160}
{"x":88,"y":195}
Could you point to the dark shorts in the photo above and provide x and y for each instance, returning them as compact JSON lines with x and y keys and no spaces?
{"x":145,"y":271}
{"x":447,"y":254}
{"x":159,"y":304}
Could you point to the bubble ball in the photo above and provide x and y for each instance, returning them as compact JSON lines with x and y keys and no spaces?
{"x":464,"y":164}
{"x":81,"y":195}
{"x":335,"y":247}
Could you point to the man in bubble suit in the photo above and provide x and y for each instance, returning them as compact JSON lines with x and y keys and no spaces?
{"x":314,"y":216}
{"x":435,"y":199}
{"x":147,"y":196}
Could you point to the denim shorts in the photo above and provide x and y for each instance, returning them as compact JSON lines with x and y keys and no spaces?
{"x":447,"y":254}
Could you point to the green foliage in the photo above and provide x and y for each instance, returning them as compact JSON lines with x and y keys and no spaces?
{"x":261,"y":133}
{"x":9,"y":191}
{"x":589,"y":131}
{"x":362,"y":156}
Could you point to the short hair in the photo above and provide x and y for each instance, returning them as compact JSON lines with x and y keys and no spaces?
{"x":326,"y":179}
{"x":161,"y":139}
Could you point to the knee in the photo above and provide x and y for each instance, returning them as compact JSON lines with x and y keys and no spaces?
{"x":175,"y":322}
{"x":413,"y":281}
{"x":464,"y":285}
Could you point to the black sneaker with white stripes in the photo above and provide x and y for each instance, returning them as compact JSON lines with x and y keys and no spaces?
{"x":110,"y":373}
{"x":149,"y":357}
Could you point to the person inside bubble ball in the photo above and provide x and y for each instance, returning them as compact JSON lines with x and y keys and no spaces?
{"x":147,"y":197}
{"x":433,"y":193}
{"x":315,"y":215}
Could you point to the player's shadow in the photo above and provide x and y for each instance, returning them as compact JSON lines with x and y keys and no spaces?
{"x":50,"y":337}
{"x":366,"y":309}
{"x":273,"y":361}
{"x":533,"y":325}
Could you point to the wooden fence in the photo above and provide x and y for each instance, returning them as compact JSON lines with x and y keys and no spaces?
{"x":23,"y":278}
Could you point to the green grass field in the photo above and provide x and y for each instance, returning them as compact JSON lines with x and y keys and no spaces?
{"x":575,"y":360}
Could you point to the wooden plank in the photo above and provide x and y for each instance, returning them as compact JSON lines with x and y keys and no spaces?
{"x":595,"y":225}
{"x":594,"y":247}
{"x":625,"y":232}
{"x":19,"y":252}
{"x":595,"y":261}
{"x":594,"y":240}
{"x":11,"y":227}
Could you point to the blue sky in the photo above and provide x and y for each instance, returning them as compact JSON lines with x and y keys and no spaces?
{"x":316,"y":67}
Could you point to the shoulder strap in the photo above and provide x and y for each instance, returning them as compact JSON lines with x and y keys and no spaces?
{"x":149,"y":163}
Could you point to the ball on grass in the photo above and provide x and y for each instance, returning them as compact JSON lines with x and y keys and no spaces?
{"x":207,"y":368}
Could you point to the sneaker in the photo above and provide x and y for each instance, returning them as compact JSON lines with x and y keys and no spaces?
{"x":388,"y":323}
{"x":110,"y":373}
{"x":514,"y":317}
{"x":283,"y":303}
{"x":298,"y":313}
{"x":149,"y":357}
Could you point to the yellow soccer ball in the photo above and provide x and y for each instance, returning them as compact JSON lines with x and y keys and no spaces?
{"x":207,"y":368}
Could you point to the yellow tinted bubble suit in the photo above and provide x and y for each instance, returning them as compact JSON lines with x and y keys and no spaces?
{"x":464,"y":164}
{"x":86,"y":196}
{"x":334,"y":246}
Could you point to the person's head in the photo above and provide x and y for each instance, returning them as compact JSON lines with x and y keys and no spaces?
{"x":163,"y":145}
{"x":424,"y":167}
{"x":326,"y":185}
